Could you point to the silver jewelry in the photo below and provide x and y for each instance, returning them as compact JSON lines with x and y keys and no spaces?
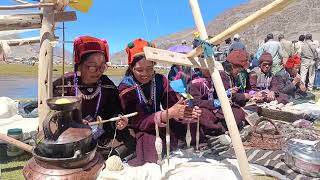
{"x":91,"y":96}
{"x":90,"y":90}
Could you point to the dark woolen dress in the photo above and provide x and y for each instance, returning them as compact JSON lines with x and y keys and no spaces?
{"x":148,"y":114}
{"x":108,"y":107}
{"x":212,"y":119}
{"x":262,"y":81}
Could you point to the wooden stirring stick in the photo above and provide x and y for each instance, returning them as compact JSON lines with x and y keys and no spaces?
{"x":100,"y":121}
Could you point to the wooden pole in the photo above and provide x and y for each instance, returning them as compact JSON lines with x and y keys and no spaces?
{"x":31,"y":20}
{"x":21,"y":2}
{"x":45,"y":62}
{"x":221,"y":92}
{"x":15,"y":142}
{"x":26,"y":6}
{"x":63,"y":57}
{"x":238,"y":27}
{"x":100,"y":121}
{"x":20,"y":42}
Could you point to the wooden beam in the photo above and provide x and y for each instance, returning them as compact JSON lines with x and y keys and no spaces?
{"x":20,"y":42}
{"x":20,"y":21}
{"x":26,"y":6}
{"x":238,"y":27}
{"x":164,"y":56}
{"x":21,"y":2}
{"x":169,"y":57}
{"x":225,"y":104}
{"x":45,"y":62}
{"x":31,"y":21}
{"x":65,"y":16}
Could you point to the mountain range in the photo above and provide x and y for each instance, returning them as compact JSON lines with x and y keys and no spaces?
{"x":301,"y":17}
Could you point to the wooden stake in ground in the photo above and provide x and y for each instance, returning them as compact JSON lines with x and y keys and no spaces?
{"x":45,"y":61}
{"x":221,"y":92}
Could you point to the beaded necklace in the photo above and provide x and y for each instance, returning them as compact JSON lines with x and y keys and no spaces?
{"x":88,"y":97}
{"x":142,"y":97}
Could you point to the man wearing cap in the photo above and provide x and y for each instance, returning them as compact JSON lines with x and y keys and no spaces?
{"x":237,"y":44}
{"x":260,"y":81}
{"x":99,"y":95}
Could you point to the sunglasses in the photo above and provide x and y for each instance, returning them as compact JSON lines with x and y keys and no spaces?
{"x":265,"y":64}
{"x":95,"y":68}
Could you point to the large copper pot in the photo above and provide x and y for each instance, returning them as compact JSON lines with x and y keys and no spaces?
{"x":45,"y":170}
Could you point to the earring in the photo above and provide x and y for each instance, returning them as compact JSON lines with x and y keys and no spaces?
{"x":78,"y":73}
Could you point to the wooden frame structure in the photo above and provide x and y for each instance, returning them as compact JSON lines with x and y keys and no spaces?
{"x":191,"y":60}
{"x":46,"y":21}
{"x":51,"y":13}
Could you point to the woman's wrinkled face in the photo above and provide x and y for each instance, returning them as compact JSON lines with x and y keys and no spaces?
{"x":143,"y":71}
{"x":236,"y":70}
{"x":265,"y":67}
{"x":294,"y":71}
{"x":92,"y":68}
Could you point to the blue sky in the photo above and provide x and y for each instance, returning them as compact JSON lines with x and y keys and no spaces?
{"x":120,"y":21}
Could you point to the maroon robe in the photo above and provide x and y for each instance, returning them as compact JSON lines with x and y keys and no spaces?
{"x":212,"y":119}
{"x":260,"y":81}
{"x":144,"y":123}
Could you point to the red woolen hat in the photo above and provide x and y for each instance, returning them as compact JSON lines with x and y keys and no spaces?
{"x":87,"y":44}
{"x":292,"y":61}
{"x":239,"y":57}
{"x":135,"y":48}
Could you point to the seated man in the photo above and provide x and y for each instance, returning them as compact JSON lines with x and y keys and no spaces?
{"x":212,"y":119}
{"x":288,"y":81}
{"x":260,"y":82}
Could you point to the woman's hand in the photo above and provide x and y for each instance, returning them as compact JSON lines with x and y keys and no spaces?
{"x":122,"y":123}
{"x":177,"y":110}
{"x":271,"y":96}
{"x":296,"y":79}
{"x":247,"y":96}
{"x":196,"y":113}
{"x":234,"y":90}
{"x":85,"y":122}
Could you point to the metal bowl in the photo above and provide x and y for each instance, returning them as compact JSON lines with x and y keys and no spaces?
{"x":67,"y":144}
{"x":78,"y":160}
{"x":75,"y":102}
{"x":303,"y":158}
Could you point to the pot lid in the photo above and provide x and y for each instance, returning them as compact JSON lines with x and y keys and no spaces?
{"x":71,"y":135}
{"x":304,"y":150}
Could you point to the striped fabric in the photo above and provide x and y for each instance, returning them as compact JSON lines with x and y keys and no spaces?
{"x":273,"y":160}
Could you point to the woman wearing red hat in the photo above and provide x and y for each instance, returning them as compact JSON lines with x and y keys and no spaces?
{"x":288,"y":80}
{"x":260,"y":82}
{"x":144,"y":91}
{"x":204,"y":94}
{"x":99,"y":95}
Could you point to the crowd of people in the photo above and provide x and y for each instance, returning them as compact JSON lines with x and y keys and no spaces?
{"x":280,"y":74}
{"x":304,"y":48}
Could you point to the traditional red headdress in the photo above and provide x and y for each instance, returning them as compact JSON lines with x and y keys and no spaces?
{"x":294,"y":60}
{"x":87,"y":44}
{"x":135,"y":48}
{"x":239,"y":57}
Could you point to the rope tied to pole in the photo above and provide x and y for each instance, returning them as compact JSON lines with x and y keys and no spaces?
{"x":207,"y":47}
